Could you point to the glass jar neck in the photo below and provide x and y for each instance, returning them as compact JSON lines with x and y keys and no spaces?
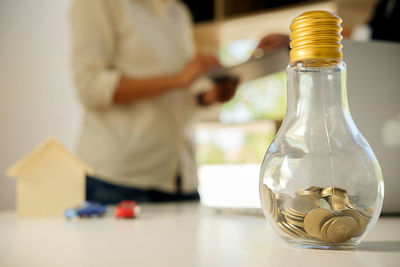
{"x":315,"y":86}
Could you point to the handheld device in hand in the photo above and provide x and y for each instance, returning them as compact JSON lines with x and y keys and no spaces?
{"x":257,"y":67}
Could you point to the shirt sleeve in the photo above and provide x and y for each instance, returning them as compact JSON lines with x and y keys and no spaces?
{"x":188,"y":30}
{"x":93,"y":48}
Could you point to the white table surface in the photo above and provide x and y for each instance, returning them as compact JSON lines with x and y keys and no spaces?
{"x":177,"y":235}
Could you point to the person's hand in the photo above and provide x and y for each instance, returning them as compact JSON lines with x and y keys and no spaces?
{"x":270,"y":42}
{"x":223,"y":91}
{"x":197,"y":66}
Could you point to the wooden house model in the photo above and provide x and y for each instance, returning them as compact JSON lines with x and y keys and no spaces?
{"x":50,"y":179}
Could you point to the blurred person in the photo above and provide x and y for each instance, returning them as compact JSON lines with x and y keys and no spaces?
{"x":272,"y":41}
{"x":134,"y":64}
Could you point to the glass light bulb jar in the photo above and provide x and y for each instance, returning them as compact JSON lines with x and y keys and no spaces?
{"x":321,"y":185}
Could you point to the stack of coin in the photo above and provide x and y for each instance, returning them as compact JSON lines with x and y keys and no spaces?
{"x":325,"y":214}
{"x":270,"y":202}
{"x":337,"y":198}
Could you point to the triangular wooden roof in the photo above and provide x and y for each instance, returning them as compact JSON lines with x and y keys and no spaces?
{"x":16,"y":169}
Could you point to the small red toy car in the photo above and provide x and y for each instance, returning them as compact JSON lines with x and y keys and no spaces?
{"x":126,"y":209}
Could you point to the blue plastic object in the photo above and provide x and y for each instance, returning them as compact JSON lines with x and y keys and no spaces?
{"x":86,"y":209}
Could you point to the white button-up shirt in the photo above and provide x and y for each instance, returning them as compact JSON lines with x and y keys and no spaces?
{"x":147,"y":143}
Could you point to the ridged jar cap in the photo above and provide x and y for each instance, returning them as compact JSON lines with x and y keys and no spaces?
{"x":315,"y":35}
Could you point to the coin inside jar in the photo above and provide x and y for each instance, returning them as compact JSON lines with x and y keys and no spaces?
{"x":338,"y":202}
{"x":290,"y":214}
{"x":361,"y":220}
{"x":302,"y":205}
{"x":275,"y":208}
{"x":296,"y":230}
{"x":266,"y":198}
{"x":325,"y":214}
{"x":306,"y":192}
{"x":329,"y":191}
{"x":298,"y":223}
{"x":366,"y":212}
{"x":315,"y":189}
{"x":315,"y":219}
{"x":324,"y":229}
{"x":342,"y":229}
{"x":283,"y":226}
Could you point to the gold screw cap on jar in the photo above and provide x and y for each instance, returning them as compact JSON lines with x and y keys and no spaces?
{"x":315,"y":35}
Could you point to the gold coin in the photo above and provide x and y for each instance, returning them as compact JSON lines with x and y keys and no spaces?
{"x":363,"y":212}
{"x":338,"y":206}
{"x":295,"y":222}
{"x":274,"y":211}
{"x":296,"y":230}
{"x":266,"y":198}
{"x":315,"y":189}
{"x":338,"y":199}
{"x":271,"y":194}
{"x":324,"y":229}
{"x":286,"y":230}
{"x":288,"y":226}
{"x":315,"y":219}
{"x":361,"y":220}
{"x":338,"y":202}
{"x":333,"y":191}
{"x":352,"y":206}
{"x":342,"y":229}
{"x":287,"y":210}
{"x":369,"y":212}
{"x":302,"y":205}
{"x":289,"y":216}
{"x":292,"y":214}
{"x":281,"y":217}
{"x":305,"y":192}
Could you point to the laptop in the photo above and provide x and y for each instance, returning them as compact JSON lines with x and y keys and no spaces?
{"x":373,"y":79}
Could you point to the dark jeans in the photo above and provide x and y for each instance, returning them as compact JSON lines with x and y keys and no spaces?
{"x":107,"y":193}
